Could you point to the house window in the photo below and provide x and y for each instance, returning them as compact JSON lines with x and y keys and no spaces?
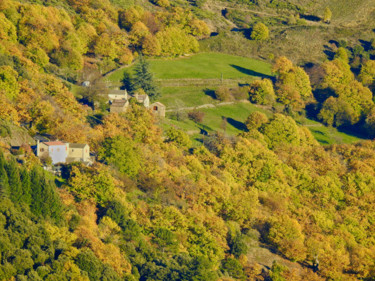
{"x":155,"y":107}
{"x":72,"y":150}
{"x":42,"y":150}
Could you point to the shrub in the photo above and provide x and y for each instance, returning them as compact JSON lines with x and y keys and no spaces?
{"x":162,"y":3}
{"x":259,"y":32}
{"x":262,"y":92}
{"x":233,"y":268}
{"x":286,"y":234}
{"x":87,"y":261}
{"x":196,"y":115}
{"x":255,"y":120}
{"x":179,"y":137}
{"x":178,"y":115}
{"x":4,"y":131}
{"x":240,"y":93}
{"x":223,"y":94}
{"x":121,"y":153}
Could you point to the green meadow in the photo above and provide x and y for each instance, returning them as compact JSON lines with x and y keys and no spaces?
{"x":204,"y":66}
{"x":189,"y":82}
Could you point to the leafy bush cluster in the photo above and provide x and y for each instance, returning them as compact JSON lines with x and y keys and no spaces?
{"x":44,"y":48}
{"x":154,"y":208}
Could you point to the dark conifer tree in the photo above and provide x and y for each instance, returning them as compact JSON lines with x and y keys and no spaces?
{"x":36,"y":191}
{"x":26,"y":186}
{"x":15,"y":186}
{"x":45,"y":200}
{"x":143,"y":79}
{"x":4,"y":184}
{"x":50,"y":201}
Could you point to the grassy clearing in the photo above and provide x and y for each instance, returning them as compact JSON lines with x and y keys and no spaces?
{"x":328,"y":135}
{"x":210,"y":65}
{"x":204,"y":66}
{"x":236,"y":114}
{"x":175,"y":97}
{"x":189,"y":82}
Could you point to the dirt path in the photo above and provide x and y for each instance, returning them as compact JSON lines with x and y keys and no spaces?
{"x":312,"y":125}
{"x":116,"y":69}
{"x":186,"y":82}
{"x":207,"y":105}
{"x":222,"y":7}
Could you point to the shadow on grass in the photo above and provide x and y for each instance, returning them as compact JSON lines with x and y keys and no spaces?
{"x":318,"y":132}
{"x":353,"y":132}
{"x":365,"y":44}
{"x":210,"y":93}
{"x":329,"y":52}
{"x":310,"y":18}
{"x":236,"y":29}
{"x":252,"y":72}
{"x":237,"y":124}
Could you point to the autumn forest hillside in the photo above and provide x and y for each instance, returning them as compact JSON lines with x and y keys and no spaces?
{"x":257,"y":196}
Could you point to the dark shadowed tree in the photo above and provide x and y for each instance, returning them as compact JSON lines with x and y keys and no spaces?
{"x":143,"y":79}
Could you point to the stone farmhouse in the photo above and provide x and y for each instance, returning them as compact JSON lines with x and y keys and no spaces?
{"x":117,"y":95}
{"x":119,"y":106}
{"x":119,"y":102}
{"x":78,"y":153}
{"x":62,"y":152}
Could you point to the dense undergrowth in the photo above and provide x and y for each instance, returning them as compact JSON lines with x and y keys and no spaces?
{"x":154,"y":206}
{"x":159,"y":210}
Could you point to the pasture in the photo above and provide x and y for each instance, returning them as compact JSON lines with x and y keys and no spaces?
{"x":190,"y":82}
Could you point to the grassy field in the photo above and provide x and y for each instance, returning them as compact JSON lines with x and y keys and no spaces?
{"x":236,"y":114}
{"x":204,"y":66}
{"x":327,"y":135}
{"x":187,"y":96}
{"x":190,"y":82}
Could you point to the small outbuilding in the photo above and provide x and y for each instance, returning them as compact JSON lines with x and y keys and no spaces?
{"x":158,"y":109}
{"x":142,"y":99}
{"x":119,"y":106}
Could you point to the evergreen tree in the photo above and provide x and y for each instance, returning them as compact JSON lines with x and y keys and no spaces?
{"x":50,"y":202}
{"x":143,"y":79}
{"x":36,"y":191}
{"x":45,"y":200}
{"x":26,"y":186}
{"x":4,"y":185}
{"x":15,"y":186}
{"x":3,"y":182}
